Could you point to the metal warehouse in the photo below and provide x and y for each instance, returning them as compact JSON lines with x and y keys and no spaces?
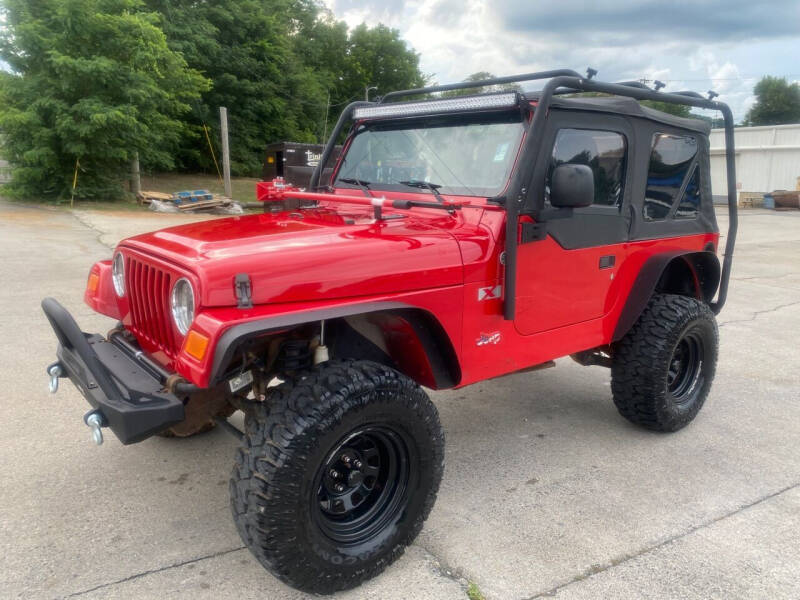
{"x":767,"y":159}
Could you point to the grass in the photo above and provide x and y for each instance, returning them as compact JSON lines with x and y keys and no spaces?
{"x":474,"y":592}
{"x":131,"y":205}
{"x":242,"y":188}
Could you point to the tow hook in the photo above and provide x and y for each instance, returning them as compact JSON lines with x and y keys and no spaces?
{"x":95,"y":420}
{"x":55,"y":371}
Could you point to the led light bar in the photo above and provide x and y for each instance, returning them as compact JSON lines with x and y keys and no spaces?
{"x":408,"y":109}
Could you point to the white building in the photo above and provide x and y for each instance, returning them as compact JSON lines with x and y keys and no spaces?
{"x":767,"y":159}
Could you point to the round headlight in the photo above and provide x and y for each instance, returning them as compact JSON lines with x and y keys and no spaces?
{"x":118,"y":274}
{"x":183,"y":305}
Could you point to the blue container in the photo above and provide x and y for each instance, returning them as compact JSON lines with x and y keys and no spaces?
{"x":769,"y":201}
{"x":192,"y":196}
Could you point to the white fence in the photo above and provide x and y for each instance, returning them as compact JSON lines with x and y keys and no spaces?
{"x":767,"y":159}
{"x":5,"y":172}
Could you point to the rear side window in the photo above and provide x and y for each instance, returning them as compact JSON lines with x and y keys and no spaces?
{"x":670,"y":162}
{"x":690,"y":200}
{"x":603,"y":151}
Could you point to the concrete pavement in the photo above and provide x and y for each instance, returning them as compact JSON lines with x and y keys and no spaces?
{"x":547,"y":491}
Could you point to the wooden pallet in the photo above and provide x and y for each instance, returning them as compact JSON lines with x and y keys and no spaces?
{"x":145,"y":197}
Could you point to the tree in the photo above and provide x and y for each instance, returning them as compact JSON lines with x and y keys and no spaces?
{"x":348,"y":64}
{"x":279,"y":66}
{"x":777,"y":102}
{"x":246,"y":48}
{"x":378,"y":57}
{"x":92,"y":83}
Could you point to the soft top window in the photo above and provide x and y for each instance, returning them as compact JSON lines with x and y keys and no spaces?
{"x":689,"y":205}
{"x":671,"y":160}
{"x":464,"y":155}
{"x":603,"y":151}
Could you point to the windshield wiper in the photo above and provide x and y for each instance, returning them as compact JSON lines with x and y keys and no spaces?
{"x":425,"y":185}
{"x":364,"y":185}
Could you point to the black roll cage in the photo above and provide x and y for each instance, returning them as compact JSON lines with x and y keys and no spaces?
{"x":562,"y":81}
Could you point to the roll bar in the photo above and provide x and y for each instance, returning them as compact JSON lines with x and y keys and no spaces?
{"x":465,"y":85}
{"x":344,"y":118}
{"x":521,"y":180}
{"x":563,"y":81}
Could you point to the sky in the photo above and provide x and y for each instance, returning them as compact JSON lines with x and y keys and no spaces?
{"x":722,"y":45}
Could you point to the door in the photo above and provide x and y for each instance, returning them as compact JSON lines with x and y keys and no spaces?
{"x":567,"y":276}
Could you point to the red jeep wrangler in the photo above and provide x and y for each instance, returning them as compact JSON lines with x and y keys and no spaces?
{"x":458,"y":238}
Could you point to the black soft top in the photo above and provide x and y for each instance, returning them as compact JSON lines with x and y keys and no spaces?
{"x":625,"y":106}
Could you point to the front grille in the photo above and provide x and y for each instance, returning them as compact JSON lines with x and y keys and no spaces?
{"x":148,"y":289}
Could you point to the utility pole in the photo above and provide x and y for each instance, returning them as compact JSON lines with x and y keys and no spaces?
{"x":136,"y":182}
{"x":226,"y":152}
{"x":367,"y":89}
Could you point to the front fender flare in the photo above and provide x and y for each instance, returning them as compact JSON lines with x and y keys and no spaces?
{"x":443,"y":361}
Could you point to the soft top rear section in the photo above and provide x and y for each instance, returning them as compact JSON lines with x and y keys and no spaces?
{"x":626,"y":106}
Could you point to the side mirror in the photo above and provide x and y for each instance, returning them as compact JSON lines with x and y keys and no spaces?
{"x":572,"y":186}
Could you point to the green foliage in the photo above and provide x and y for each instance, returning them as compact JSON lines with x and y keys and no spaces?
{"x":349,"y":63}
{"x":378,"y":57}
{"x":66,"y":101}
{"x":777,"y":102}
{"x":245,"y":48}
{"x":473,"y":591}
{"x":95,"y":81}
{"x":273,"y":63}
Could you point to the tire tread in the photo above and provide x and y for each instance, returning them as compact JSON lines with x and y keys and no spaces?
{"x":266,"y":478}
{"x":637,"y":372}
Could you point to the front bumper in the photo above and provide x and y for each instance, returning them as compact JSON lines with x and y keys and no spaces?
{"x":126,"y":393}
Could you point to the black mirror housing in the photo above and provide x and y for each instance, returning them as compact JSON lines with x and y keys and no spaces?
{"x":572,"y":186}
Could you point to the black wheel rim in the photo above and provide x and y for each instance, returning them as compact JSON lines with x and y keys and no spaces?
{"x":685,"y":368}
{"x":363,"y":484}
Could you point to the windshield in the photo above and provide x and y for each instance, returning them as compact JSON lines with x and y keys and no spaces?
{"x":467,"y":156}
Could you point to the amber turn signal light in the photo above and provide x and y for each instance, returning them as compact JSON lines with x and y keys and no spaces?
{"x":92,"y":283}
{"x":195,"y":345}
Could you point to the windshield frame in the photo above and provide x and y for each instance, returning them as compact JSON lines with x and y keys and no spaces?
{"x":515,"y":116}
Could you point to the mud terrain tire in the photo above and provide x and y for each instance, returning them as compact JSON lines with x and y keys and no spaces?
{"x":662,"y":369}
{"x":336,"y":474}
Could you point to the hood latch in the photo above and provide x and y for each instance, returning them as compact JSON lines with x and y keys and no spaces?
{"x":244,"y":291}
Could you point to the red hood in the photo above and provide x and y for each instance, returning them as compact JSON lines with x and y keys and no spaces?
{"x":319,"y":255}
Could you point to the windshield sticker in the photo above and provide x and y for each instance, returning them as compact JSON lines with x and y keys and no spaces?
{"x":500,"y":153}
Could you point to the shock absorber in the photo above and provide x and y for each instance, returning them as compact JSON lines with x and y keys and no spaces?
{"x":321,"y":351}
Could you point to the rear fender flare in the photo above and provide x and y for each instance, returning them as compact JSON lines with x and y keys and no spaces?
{"x":668,"y":272}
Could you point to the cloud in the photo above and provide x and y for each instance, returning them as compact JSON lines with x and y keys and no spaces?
{"x":713,"y":20}
{"x":724,"y":45}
